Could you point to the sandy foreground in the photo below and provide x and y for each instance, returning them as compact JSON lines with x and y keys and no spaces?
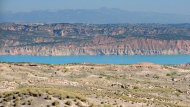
{"x":94,"y":85}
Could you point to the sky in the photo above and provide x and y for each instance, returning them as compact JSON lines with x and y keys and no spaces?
{"x":158,"y":6}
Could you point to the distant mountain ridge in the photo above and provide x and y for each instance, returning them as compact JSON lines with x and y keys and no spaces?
{"x":95,"y":16}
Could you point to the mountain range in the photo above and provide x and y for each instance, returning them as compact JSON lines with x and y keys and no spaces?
{"x":93,"y":16}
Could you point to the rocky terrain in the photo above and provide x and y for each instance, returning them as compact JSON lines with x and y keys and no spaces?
{"x":94,"y":85}
{"x":93,"y":39}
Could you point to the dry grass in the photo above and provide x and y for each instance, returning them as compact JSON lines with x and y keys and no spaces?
{"x":142,"y":84}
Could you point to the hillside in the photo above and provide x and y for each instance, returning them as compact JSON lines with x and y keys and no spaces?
{"x":94,"y":85}
{"x":93,"y":39}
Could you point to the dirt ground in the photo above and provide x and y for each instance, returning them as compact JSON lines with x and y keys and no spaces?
{"x":94,"y":85}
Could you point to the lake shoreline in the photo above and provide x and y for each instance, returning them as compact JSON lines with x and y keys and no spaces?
{"x":111,"y":59}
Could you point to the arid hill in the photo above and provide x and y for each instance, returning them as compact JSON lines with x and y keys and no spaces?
{"x":93,"y":39}
{"x":94,"y":85}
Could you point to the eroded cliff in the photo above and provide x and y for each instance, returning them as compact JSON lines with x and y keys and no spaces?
{"x":90,"y":39}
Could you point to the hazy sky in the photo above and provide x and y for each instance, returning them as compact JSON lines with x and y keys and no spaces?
{"x":160,"y":6}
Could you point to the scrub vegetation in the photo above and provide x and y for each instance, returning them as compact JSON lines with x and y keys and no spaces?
{"x":94,"y":85}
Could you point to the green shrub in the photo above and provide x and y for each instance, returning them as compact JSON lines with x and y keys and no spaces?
{"x":135,"y":87}
{"x":167,"y":74}
{"x":173,"y":73}
{"x":102,"y":102}
{"x":147,"y":75}
{"x":108,"y":77}
{"x":155,"y":76}
{"x":21,"y":86}
{"x":177,"y":93}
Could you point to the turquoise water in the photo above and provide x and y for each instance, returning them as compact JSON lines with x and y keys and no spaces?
{"x":157,"y":59}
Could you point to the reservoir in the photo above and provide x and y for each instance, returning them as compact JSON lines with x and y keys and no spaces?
{"x":100,"y":59}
